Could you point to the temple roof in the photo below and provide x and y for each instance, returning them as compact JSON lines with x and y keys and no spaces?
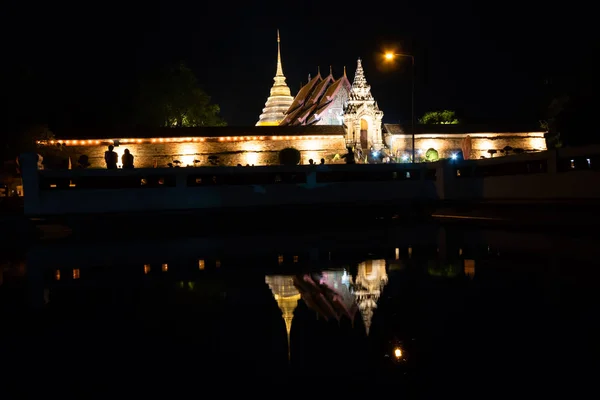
{"x":205,"y":131}
{"x":313,"y":99}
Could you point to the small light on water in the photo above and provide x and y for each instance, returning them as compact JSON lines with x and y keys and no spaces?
{"x":57,"y":275}
{"x":165,"y":267}
{"x":409,"y":251}
{"x":201,"y":265}
{"x":397,"y":253}
{"x":397,"y":352}
{"x":146,"y":268}
{"x":75,"y":273}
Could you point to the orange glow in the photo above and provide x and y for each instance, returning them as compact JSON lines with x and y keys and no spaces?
{"x":201,"y":265}
{"x":389,"y":56}
{"x":146,"y":268}
{"x":398,"y":352}
{"x":218,"y":263}
{"x":280,"y":259}
{"x":470,"y":268}
{"x":57,"y":275}
{"x":165,"y":267}
{"x":75,"y":273}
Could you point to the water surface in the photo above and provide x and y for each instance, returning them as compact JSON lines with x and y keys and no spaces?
{"x":426,"y":308}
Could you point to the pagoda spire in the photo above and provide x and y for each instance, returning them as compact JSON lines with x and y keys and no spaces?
{"x":360,"y":90}
{"x":279,"y":67}
{"x":280,"y":99}
{"x":287,"y":296}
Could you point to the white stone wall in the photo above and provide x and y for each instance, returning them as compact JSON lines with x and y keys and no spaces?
{"x":447,"y":144}
{"x":231,"y":153}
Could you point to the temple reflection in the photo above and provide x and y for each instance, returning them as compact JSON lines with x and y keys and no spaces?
{"x":287,"y":296}
{"x":332,"y":294}
{"x":370,"y":280}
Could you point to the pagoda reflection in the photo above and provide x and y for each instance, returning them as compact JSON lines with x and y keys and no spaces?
{"x":332,"y":294}
{"x":370,"y":280}
{"x":287,"y":296}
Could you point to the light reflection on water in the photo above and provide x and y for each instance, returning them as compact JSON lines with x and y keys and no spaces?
{"x":444,"y":305}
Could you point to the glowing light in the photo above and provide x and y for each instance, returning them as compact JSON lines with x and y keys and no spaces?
{"x":453,"y":156}
{"x":389,"y":56}
{"x":146,"y":268}
{"x":397,"y":352}
{"x":165,"y":267}
{"x":251,"y":158}
{"x":76,"y":273}
{"x":397,"y":253}
{"x":201,"y":265}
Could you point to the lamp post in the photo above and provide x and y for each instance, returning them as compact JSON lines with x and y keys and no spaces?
{"x":391,"y":56}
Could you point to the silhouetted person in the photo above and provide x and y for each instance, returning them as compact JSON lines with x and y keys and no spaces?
{"x":111,"y":158}
{"x":127,"y":159}
{"x":349,"y":156}
{"x":311,"y":162}
{"x":322,"y":161}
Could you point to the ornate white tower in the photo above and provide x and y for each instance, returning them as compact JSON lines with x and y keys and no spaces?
{"x":280,"y":99}
{"x":362,"y":115}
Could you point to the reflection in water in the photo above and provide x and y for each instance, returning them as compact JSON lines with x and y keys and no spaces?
{"x":470,"y":268}
{"x":368,"y":285}
{"x":287,"y":297}
{"x":151,"y":301}
{"x":332,"y":294}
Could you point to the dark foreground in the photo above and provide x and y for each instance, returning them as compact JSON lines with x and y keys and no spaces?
{"x":475,"y":310}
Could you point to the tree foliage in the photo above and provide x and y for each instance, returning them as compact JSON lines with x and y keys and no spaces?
{"x":432,"y":155}
{"x":172,"y":97}
{"x":439,"y":117}
{"x":289,"y":156}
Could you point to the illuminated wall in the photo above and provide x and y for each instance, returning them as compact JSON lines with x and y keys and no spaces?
{"x":229,"y":151}
{"x":446,"y":144}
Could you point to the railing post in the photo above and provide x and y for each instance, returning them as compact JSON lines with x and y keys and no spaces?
{"x":181,"y":179}
{"x":444,"y":180}
{"x":552,"y":160}
{"x":28,"y":163}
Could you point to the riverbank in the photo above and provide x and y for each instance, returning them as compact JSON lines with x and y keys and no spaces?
{"x":576,"y":216}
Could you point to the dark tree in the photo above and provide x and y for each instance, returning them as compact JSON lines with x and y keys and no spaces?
{"x":172,"y":97}
{"x":289,"y":156}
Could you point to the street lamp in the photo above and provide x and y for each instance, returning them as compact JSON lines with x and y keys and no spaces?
{"x":390,"y":56}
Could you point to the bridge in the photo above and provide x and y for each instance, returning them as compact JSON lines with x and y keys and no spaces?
{"x":568,"y":175}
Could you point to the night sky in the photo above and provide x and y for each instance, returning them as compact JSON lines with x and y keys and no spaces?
{"x":490,"y":62}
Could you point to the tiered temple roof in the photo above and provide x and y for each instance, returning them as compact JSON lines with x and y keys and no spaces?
{"x":280,"y":99}
{"x":315,"y":98}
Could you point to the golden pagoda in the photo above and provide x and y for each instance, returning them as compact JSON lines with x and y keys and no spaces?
{"x":280,"y":99}
{"x":369,"y":283}
{"x":287,"y":296}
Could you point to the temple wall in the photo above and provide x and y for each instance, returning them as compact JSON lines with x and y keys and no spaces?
{"x":480,"y":143}
{"x":253,"y":152}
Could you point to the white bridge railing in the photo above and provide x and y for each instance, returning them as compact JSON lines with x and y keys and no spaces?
{"x":570,"y":173}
